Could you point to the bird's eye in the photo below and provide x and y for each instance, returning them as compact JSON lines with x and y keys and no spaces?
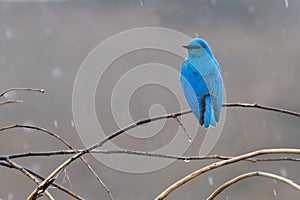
{"x":192,"y":47}
{"x":196,"y":47}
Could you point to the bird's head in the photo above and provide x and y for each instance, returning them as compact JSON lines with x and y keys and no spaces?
{"x":198,"y":48}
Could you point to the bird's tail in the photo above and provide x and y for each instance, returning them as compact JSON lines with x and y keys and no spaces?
{"x":209,"y":117}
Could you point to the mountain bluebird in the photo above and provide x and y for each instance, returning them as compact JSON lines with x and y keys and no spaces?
{"x":202,"y":82}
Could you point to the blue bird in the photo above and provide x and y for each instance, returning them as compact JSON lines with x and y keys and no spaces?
{"x":201,"y":81}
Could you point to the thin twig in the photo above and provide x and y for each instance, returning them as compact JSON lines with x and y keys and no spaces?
{"x":38,"y":129}
{"x":10,"y":101}
{"x":184,"y":129}
{"x":250,"y":174}
{"x":210,"y":167}
{"x":262,"y":107}
{"x":29,"y":175}
{"x":98,"y":178}
{"x":24,"y":89}
{"x":123,"y":151}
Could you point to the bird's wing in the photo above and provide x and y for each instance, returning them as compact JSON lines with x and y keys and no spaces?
{"x":214,"y":83}
{"x":194,"y":87}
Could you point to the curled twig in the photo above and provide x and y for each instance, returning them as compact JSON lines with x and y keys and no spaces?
{"x":250,"y":174}
{"x":24,"y":89}
{"x":210,"y":167}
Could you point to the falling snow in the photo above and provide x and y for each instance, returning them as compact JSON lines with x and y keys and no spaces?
{"x":72,"y":123}
{"x":274,"y":192}
{"x":251,"y":9}
{"x":10,"y":95}
{"x":10,"y":196}
{"x":55,"y":123}
{"x":210,"y":180}
{"x":28,"y":123}
{"x":56,"y":72}
{"x":213,"y":2}
{"x":9,"y":34}
{"x":283,"y":172}
{"x":286,"y":3}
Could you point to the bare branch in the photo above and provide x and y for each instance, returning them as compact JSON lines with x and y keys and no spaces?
{"x":5,"y":164}
{"x":64,"y":142}
{"x":136,"y":124}
{"x":46,"y":131}
{"x":76,"y":196}
{"x":250,"y":174}
{"x":262,"y":107}
{"x":38,"y":129}
{"x":124,"y":151}
{"x":29,"y":175}
{"x":210,"y":167}
{"x":142,"y":153}
{"x":42,"y":187}
{"x":10,"y":101}
{"x":24,"y":89}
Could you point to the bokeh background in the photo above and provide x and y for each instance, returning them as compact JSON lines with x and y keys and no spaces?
{"x":43,"y":43}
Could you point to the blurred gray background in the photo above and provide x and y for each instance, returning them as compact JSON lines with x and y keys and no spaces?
{"x":43,"y":43}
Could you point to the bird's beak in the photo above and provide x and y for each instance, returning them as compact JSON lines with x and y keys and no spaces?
{"x":184,"y":46}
